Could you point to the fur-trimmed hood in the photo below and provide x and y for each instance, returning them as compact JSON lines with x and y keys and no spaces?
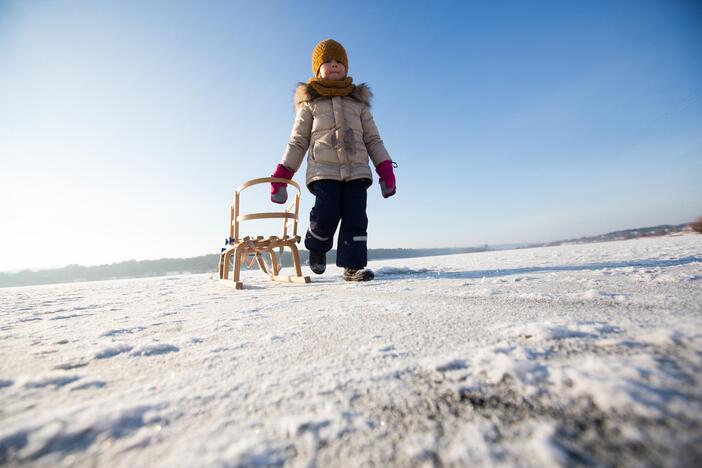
{"x":305,"y":93}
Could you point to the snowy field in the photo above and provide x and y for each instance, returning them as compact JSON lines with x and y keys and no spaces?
{"x":579,"y":354}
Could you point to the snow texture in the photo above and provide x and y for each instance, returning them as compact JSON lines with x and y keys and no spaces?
{"x":566,"y":355}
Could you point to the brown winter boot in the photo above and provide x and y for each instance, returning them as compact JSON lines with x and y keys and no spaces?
{"x":358,"y":275}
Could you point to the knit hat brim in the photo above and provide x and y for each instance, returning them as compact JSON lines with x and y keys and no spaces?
{"x":326,"y":51}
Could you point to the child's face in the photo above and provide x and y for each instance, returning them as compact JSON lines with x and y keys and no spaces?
{"x":332,"y":70}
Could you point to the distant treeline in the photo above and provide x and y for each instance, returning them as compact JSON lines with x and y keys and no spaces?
{"x":209,"y":263}
{"x":651,"y":231}
{"x":170,"y":266}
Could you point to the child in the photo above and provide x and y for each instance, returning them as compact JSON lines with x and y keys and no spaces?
{"x":334,"y":122}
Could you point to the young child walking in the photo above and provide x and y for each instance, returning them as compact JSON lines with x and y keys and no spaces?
{"x":334,"y":122}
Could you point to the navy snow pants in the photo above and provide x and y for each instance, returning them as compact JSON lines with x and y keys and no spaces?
{"x":340,"y":201}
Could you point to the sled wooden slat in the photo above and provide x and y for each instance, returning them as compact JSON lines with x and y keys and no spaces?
{"x":246,"y":217}
{"x":267,"y":180}
{"x":251,"y":250}
{"x":291,"y":279}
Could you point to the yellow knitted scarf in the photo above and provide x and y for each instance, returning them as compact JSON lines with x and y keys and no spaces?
{"x":332,"y":87}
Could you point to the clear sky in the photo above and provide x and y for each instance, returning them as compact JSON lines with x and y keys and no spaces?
{"x":126,"y":125}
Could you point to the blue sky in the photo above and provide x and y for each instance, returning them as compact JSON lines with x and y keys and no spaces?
{"x":125,"y":126}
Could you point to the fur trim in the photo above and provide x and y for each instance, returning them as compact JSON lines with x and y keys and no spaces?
{"x":363,"y":94}
{"x":305,"y":93}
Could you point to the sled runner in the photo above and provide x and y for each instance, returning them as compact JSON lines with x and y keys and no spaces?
{"x":250,"y":250}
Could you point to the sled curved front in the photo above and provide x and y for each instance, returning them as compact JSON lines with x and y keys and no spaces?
{"x":250,"y":250}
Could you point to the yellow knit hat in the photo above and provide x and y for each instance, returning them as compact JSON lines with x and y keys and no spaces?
{"x":328,"y":50}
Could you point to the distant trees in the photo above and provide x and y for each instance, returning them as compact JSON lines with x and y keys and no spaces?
{"x":171,"y":266}
{"x":208,"y":263}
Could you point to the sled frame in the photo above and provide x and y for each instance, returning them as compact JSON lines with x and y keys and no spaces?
{"x":260,"y":250}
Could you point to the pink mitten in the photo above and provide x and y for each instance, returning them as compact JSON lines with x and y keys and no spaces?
{"x":387,"y":178}
{"x":279,"y":190}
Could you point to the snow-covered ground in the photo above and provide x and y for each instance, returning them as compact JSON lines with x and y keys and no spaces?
{"x":574,"y":354}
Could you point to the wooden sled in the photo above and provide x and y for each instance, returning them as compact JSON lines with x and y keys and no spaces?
{"x":250,"y":250}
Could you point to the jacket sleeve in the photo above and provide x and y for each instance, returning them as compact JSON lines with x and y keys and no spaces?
{"x":299,"y":138}
{"x":371,"y":137}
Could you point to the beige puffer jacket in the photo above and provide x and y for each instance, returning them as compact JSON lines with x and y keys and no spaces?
{"x":338,"y":131}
